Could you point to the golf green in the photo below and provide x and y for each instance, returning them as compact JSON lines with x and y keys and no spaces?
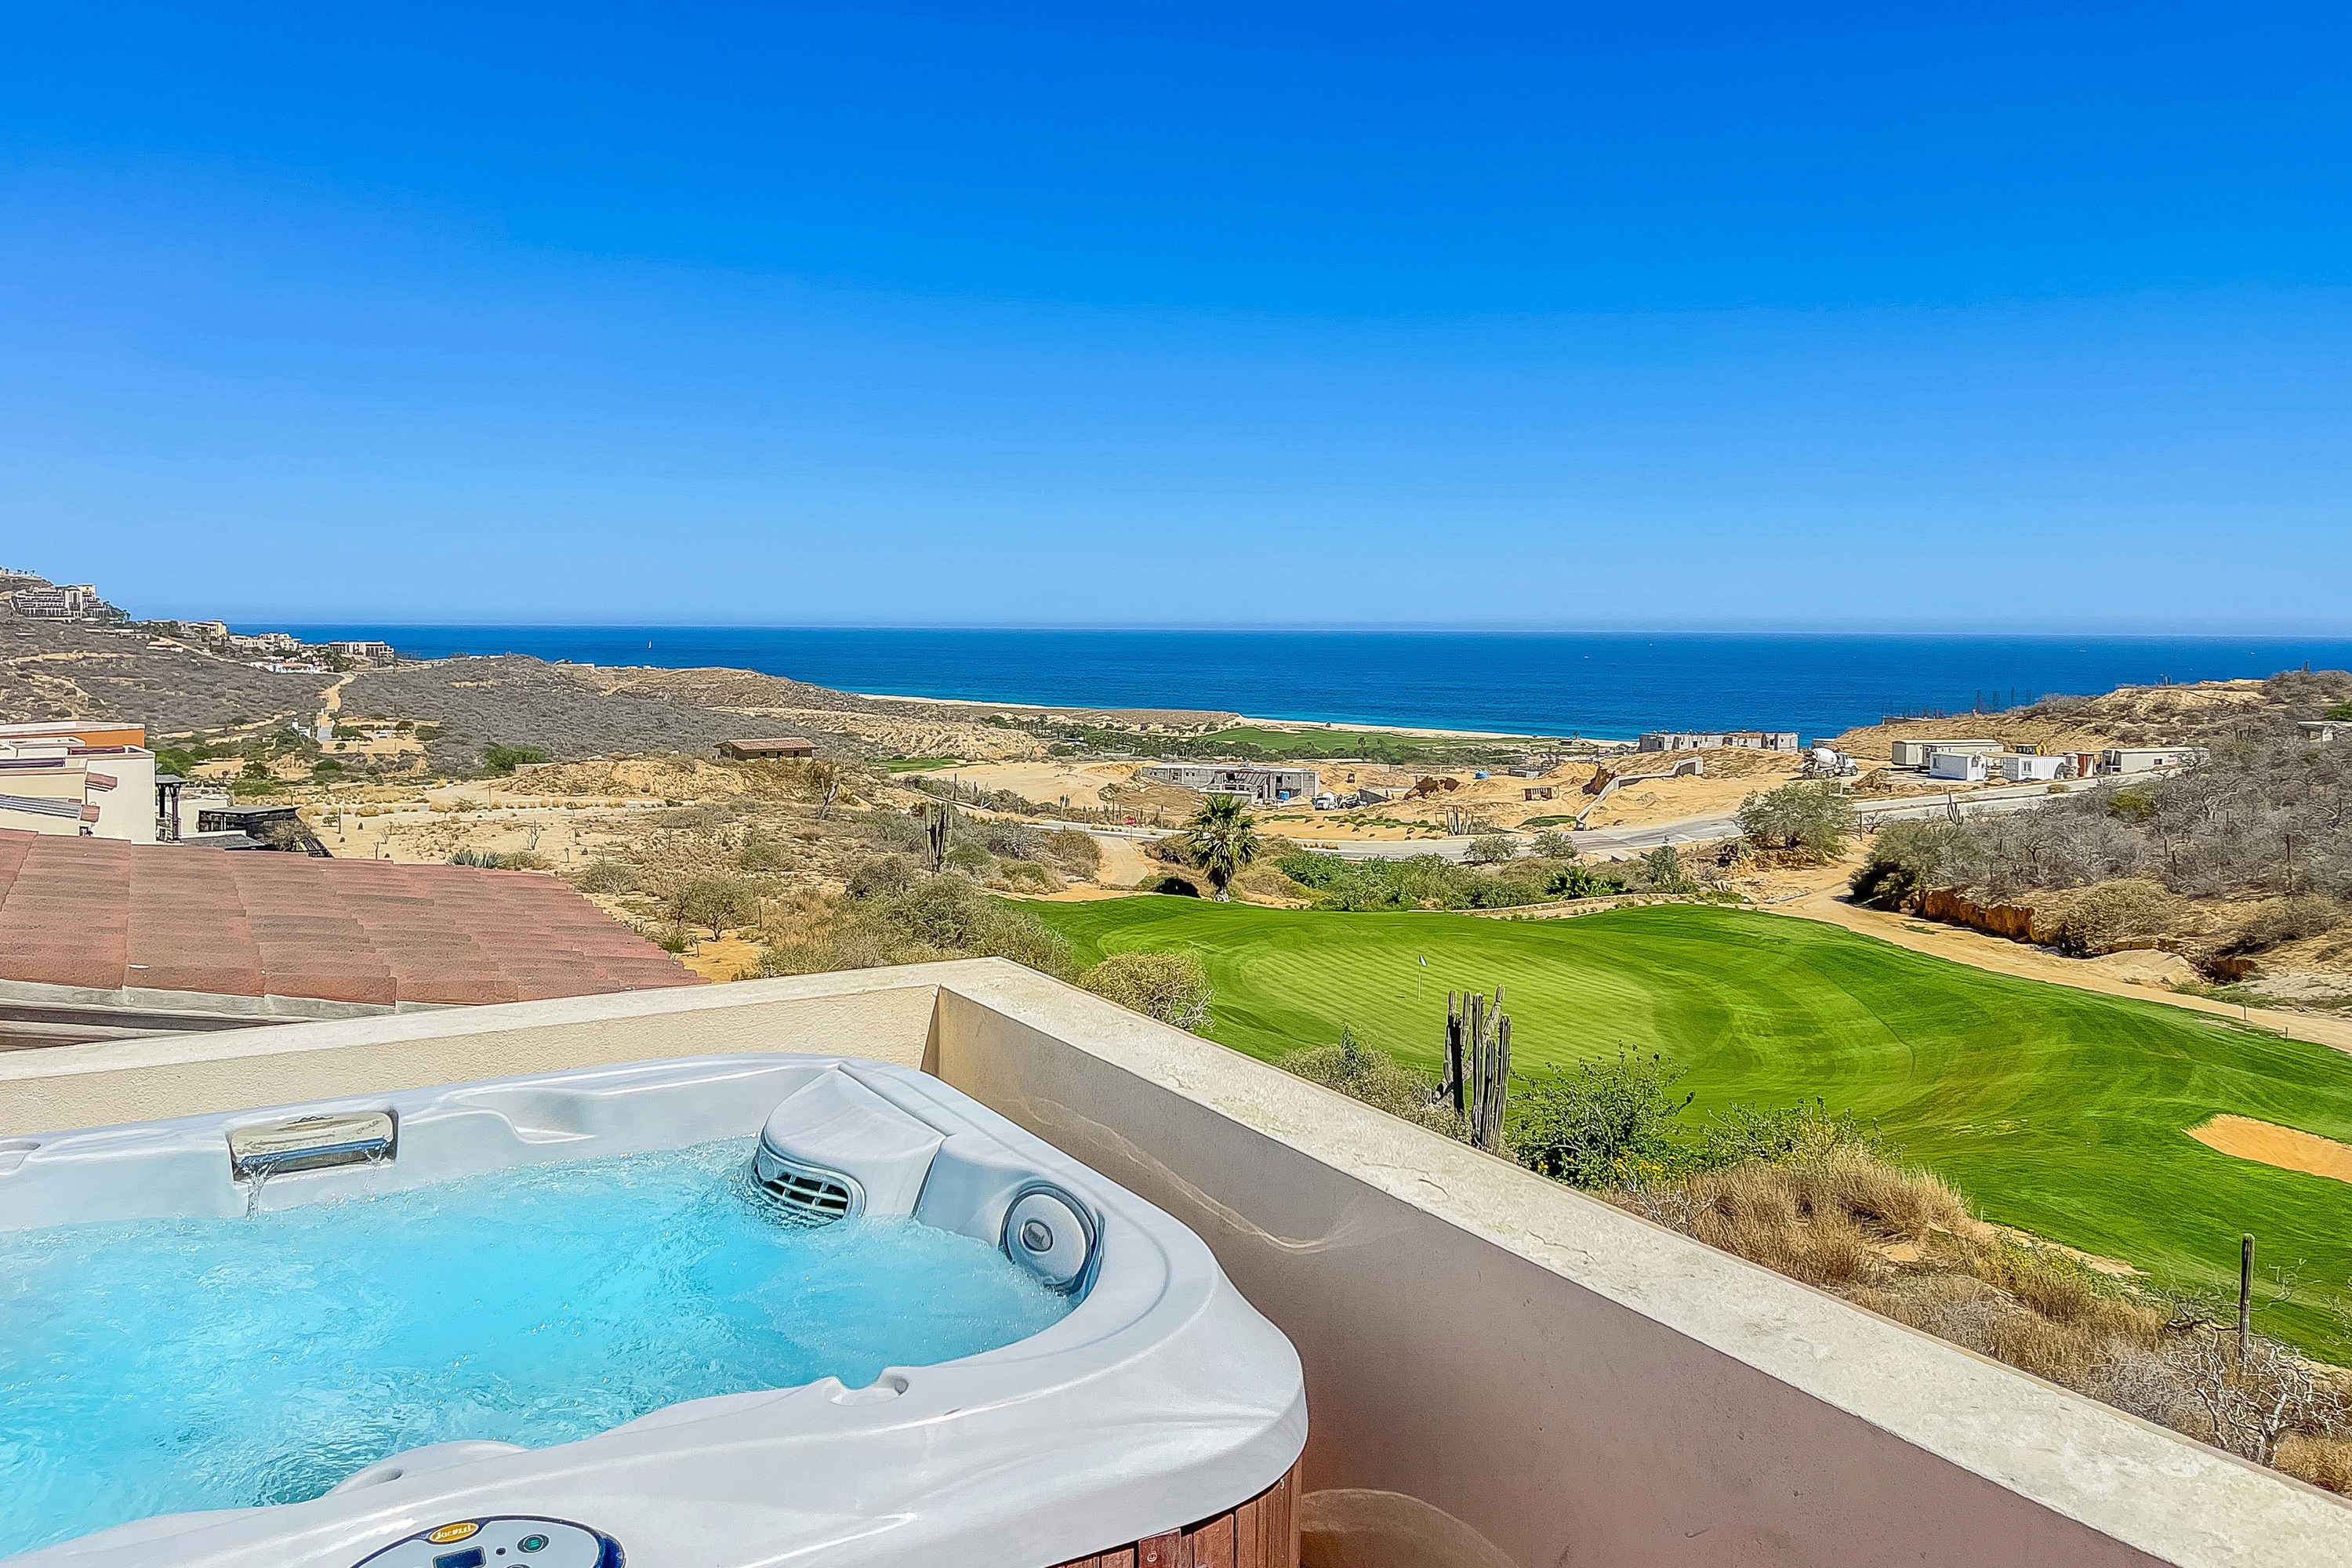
{"x":2057,"y":1110}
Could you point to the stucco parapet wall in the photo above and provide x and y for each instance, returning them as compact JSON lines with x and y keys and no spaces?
{"x":198,"y":1004}
{"x":885,"y":1014}
{"x":2158,"y":1495}
{"x":1758,"y":1421}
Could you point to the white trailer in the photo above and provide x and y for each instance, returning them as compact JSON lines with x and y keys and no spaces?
{"x":2023,"y":768}
{"x":1961,"y":767}
{"x":1915,"y":753}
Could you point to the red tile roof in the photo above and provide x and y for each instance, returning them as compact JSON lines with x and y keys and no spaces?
{"x":101,"y":913}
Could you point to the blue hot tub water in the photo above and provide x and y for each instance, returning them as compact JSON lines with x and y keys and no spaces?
{"x":156,"y":1366}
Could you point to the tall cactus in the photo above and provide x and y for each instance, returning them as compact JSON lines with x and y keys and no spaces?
{"x":939,"y":827}
{"x":1478,"y":1063}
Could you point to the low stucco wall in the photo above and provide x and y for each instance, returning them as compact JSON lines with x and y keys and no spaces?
{"x":882,"y":1013}
{"x":1576,"y":1385}
{"x":1555,"y":1382}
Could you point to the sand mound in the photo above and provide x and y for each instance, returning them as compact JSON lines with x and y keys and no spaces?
{"x":2280,"y":1146}
{"x":2144,"y":966}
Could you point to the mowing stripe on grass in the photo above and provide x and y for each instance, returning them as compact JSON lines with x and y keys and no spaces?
{"x":2062,"y":1111}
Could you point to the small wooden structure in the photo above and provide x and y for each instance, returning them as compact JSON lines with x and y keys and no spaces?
{"x":780,"y":746}
{"x":1536,"y":792}
{"x":1260,"y":1533}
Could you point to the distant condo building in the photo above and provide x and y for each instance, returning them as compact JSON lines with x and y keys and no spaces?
{"x":1264,"y":786}
{"x":63,"y":602}
{"x":374,"y":652}
{"x":1711,"y":740}
{"x":278,"y":642}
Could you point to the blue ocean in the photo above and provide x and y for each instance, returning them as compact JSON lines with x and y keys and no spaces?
{"x":1609,"y":685}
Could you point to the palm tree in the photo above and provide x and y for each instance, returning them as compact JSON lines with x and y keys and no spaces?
{"x":1222,"y":839}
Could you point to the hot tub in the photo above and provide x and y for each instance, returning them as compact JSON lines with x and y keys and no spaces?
{"x":605,"y":1298}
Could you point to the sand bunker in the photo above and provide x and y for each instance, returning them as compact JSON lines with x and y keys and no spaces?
{"x":2280,"y":1146}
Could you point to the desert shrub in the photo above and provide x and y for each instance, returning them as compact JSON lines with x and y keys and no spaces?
{"x":1809,"y":819}
{"x":792,"y":958}
{"x":1740,"y":1133}
{"x":1901,"y":864}
{"x":715,"y":902}
{"x":2133,"y":805}
{"x":524,"y":860}
{"x":2116,"y":914}
{"x":1604,"y":1124}
{"x":1554,"y":844}
{"x":969,"y":857}
{"x":2322,"y":1461}
{"x":1491,"y":850}
{"x":1581,"y":882}
{"x":607,"y":876}
{"x":2288,"y":919}
{"x":942,"y":917}
{"x":673,"y":941}
{"x":1361,"y":1072}
{"x":882,"y":877}
{"x":1172,"y":987}
{"x":1070,"y":851}
{"x":1662,"y":869}
{"x":762,"y":853}
{"x":1024,"y":877}
{"x":895,"y":830}
{"x":1009,"y":839}
{"x":502,"y":759}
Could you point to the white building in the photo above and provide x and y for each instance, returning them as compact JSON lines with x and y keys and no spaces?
{"x":69,"y":779}
{"x":1962,"y":768}
{"x":2021,"y":768}
{"x":1265,"y":785}
{"x":1915,"y":753}
{"x":63,"y":602}
{"x":1712,"y":740}
{"x":2147,"y":759}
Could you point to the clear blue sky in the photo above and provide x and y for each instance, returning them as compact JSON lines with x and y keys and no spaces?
{"x":1918,"y":316}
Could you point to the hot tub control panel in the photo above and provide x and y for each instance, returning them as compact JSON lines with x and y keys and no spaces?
{"x":505,"y":1540}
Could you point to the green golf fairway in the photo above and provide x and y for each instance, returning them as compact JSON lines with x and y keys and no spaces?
{"x":2058,"y":1111}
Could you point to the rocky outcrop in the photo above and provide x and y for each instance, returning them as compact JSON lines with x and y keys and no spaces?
{"x":2018,"y":922}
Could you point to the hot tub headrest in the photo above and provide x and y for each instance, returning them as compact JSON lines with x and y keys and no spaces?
{"x":834,"y":1149}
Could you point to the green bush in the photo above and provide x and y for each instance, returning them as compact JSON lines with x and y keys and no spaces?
{"x":1361,"y":1072}
{"x":607,"y":876}
{"x":1491,"y":850}
{"x":1554,"y":844}
{"x":1604,"y":1124}
{"x":762,"y":853}
{"x":1901,"y":865}
{"x":499,"y":761}
{"x":1662,"y":867}
{"x":715,"y":902}
{"x":1811,"y":819}
{"x":1172,"y":987}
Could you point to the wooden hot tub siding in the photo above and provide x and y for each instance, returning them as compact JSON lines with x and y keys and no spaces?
{"x":1261,"y":1533}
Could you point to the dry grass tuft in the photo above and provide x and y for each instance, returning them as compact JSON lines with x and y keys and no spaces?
{"x":1903,"y":1244}
{"x":2322,"y":1461}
